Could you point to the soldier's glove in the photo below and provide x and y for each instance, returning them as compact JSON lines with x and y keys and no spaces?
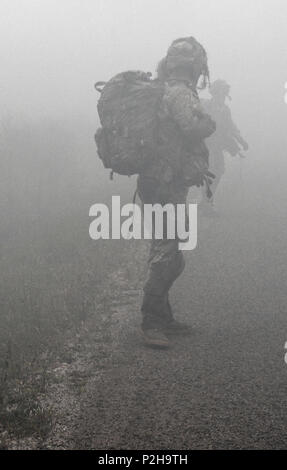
{"x":204,"y":176}
{"x":241,"y":155}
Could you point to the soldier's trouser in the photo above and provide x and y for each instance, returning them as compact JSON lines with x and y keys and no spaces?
{"x":217,"y":166}
{"x":166,"y":261}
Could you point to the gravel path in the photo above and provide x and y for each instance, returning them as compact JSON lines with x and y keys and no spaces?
{"x":225,"y":387}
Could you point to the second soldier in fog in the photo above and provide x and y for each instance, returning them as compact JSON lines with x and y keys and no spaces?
{"x":226,"y":139}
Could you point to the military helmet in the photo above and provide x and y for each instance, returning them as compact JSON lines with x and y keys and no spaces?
{"x":186,"y":52}
{"x":219,"y":87}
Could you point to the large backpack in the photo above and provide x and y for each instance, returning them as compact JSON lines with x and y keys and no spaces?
{"x":128,"y":111}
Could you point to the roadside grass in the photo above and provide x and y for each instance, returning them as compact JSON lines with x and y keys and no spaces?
{"x":51,"y":272}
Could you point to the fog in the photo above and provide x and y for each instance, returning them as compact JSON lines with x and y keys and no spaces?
{"x":52,"y":53}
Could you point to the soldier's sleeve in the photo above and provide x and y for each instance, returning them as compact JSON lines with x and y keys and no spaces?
{"x":186,"y":110}
{"x":235,"y":131}
{"x":239,"y":137}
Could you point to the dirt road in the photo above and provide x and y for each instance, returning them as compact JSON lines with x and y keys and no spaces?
{"x":225,"y":387}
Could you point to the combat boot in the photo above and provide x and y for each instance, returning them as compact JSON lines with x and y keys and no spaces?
{"x":176,"y":328}
{"x":155,"y":338}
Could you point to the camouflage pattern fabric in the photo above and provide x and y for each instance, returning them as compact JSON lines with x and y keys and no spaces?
{"x":183,"y":127}
{"x":165,"y":262}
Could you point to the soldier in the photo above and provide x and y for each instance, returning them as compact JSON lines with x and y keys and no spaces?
{"x":181,"y":133}
{"x":227,"y":137}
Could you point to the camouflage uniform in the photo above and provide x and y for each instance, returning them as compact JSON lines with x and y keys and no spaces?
{"x":182,"y":130}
